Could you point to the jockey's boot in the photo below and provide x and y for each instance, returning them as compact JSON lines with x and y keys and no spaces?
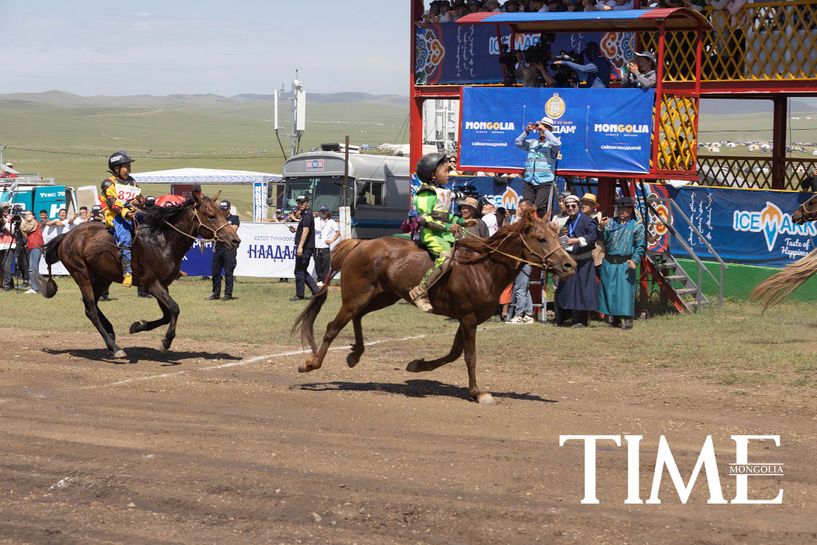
{"x":419,"y":293}
{"x":127,"y":273}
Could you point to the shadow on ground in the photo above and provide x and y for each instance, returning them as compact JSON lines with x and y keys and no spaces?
{"x":140,"y":353}
{"x":412,"y":388}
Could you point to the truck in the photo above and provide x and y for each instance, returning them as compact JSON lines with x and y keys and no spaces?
{"x":378,"y":191}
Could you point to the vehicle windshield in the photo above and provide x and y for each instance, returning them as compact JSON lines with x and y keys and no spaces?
{"x":322,"y":191}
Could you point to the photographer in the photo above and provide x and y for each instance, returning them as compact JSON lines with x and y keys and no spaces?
{"x":96,"y":214}
{"x":34,"y":245}
{"x":531,"y":70}
{"x":640,"y":73}
{"x":540,"y":165}
{"x":8,"y":245}
{"x":596,"y":73}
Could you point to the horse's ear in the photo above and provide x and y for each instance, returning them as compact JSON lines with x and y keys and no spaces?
{"x":197,"y":196}
{"x":216,"y":197}
{"x":528,"y":217}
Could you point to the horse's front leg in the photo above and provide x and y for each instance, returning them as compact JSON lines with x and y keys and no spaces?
{"x":170,"y":311}
{"x":468,"y":326}
{"x":421,"y":365}
{"x":142,"y":325}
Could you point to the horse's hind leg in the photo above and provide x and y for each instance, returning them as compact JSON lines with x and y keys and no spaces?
{"x":381,"y":301}
{"x":95,"y":315}
{"x":421,"y":365}
{"x":99,"y":288}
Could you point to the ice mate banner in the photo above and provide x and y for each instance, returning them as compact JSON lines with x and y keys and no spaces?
{"x":602,"y":130}
{"x":750,"y":227}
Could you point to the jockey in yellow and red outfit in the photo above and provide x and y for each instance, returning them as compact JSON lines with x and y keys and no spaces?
{"x":433,"y":205}
{"x":118,"y":193}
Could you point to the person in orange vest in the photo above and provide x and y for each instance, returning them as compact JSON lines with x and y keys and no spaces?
{"x":119,"y":193}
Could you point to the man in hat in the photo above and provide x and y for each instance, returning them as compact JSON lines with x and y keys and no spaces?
{"x":119,"y":193}
{"x":304,"y":249}
{"x":224,"y":258}
{"x":469,"y":211}
{"x":540,"y":165}
{"x":624,"y":240}
{"x":327,"y":234}
{"x":433,"y":204}
{"x":589,"y":204}
{"x":576,"y":296}
{"x":488,"y":212}
{"x":8,"y":171}
{"x":641,"y":72}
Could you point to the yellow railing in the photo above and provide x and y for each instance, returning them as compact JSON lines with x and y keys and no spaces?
{"x":764,"y":41}
{"x":677,"y":139}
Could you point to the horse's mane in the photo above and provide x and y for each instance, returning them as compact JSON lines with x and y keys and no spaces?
{"x":156,"y":218}
{"x":483,"y":246}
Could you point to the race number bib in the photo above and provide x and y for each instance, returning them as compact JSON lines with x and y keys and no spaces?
{"x":126,"y":193}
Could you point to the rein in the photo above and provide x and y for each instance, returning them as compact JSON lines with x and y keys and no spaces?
{"x":198,"y":219}
{"x":496,"y":250}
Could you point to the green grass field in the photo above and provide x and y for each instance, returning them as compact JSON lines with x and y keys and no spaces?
{"x":71,"y":142}
{"x":730,"y":346}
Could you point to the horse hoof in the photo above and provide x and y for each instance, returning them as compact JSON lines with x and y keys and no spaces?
{"x":165,"y":347}
{"x":136,"y":327}
{"x":414,"y":366}
{"x":353,"y":359}
{"x":304,"y":368}
{"x":120,"y":355}
{"x":485,"y":399}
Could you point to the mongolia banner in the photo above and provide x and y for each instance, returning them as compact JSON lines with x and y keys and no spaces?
{"x":749,"y":227}
{"x":602,"y":130}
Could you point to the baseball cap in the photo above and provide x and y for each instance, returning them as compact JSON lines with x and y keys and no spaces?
{"x":323,"y":209}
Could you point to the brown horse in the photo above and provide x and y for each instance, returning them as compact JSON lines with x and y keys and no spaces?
{"x":163,"y":237}
{"x":377,"y":273}
{"x":777,"y":287}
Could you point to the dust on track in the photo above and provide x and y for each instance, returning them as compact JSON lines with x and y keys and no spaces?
{"x":186,"y":448}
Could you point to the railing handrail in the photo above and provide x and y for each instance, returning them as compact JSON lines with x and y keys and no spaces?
{"x":686,"y":247}
{"x":698,"y":233}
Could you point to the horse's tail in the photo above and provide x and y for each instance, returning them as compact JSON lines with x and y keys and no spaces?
{"x":306,"y":321}
{"x":49,"y":290}
{"x":775,"y":288}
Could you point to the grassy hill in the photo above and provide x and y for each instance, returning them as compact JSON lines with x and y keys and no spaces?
{"x":68,"y":137}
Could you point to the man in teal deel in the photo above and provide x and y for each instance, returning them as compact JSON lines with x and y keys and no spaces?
{"x":433,"y":204}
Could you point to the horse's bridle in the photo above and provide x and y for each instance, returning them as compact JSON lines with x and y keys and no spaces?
{"x":200,"y":225}
{"x":542,"y":265}
{"x":806,"y":213}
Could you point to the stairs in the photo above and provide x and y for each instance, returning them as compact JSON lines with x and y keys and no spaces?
{"x":676,"y":285}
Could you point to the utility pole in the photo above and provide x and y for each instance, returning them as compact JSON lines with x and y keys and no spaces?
{"x":2,"y":147}
{"x":298,"y":115}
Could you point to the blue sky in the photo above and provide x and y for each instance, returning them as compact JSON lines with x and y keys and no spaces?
{"x":92,"y":47}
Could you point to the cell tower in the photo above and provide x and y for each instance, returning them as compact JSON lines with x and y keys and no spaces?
{"x":298,"y":115}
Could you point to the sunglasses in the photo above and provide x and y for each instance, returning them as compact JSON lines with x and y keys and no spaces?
{"x":569,"y":206}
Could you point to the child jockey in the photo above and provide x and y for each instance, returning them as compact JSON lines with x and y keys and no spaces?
{"x":118,"y":192}
{"x":433,"y":205}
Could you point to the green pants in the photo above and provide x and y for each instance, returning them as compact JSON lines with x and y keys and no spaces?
{"x":438,"y":243}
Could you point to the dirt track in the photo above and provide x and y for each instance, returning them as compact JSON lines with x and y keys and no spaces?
{"x":224,"y":448}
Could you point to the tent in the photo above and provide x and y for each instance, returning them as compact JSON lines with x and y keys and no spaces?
{"x":204,"y":176}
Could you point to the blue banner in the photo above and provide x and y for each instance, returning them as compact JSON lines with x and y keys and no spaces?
{"x":198,"y":261}
{"x":749,"y":227}
{"x":602,"y":130}
{"x":451,"y":53}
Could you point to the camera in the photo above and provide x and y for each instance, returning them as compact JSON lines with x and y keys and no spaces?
{"x":465,"y":190}
{"x":508,"y":62}
{"x":564,"y":76}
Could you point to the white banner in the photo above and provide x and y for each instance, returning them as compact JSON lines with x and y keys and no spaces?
{"x":267,"y":250}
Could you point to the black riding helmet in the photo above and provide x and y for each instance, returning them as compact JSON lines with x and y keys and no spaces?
{"x":428,"y":164}
{"x":117,"y":159}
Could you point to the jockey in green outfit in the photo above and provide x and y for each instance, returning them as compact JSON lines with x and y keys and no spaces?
{"x":433,"y":205}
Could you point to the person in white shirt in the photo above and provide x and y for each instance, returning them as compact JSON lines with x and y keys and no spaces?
{"x":56,"y":227}
{"x":81,"y":218}
{"x":488,"y":211}
{"x":327,"y":235}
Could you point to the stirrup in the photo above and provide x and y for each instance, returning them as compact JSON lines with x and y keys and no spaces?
{"x":127,"y":280}
{"x":419,"y":297}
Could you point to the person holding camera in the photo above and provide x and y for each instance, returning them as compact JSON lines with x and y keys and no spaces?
{"x":8,"y":245}
{"x":641,"y":72}
{"x":34,"y":246}
{"x":595,"y":73}
{"x":540,"y":165}
{"x":119,"y":190}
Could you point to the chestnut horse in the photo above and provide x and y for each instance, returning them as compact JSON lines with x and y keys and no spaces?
{"x":777,"y":287}
{"x":377,"y":273}
{"x":163,"y":237}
